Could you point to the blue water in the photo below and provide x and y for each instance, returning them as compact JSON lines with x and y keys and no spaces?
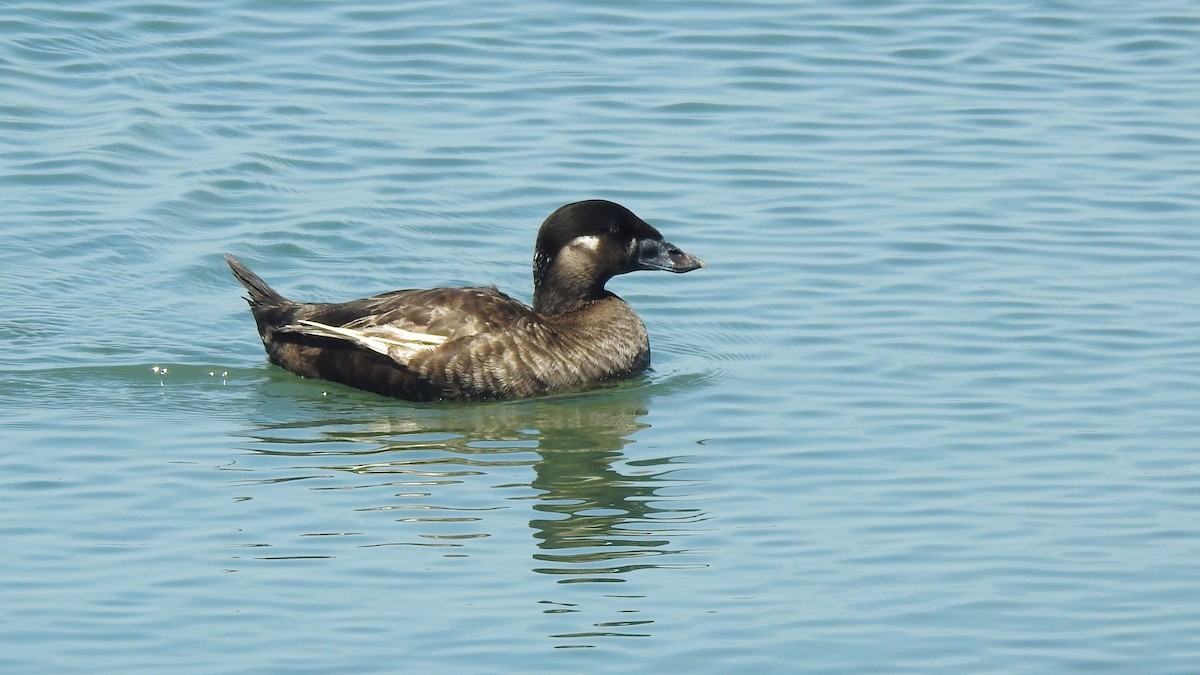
{"x":933,"y":407}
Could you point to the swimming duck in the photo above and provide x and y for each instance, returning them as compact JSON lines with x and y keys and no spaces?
{"x":478,"y":343}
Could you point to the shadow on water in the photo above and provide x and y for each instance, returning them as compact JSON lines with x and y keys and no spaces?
{"x":448,"y":479}
{"x":451,"y":475}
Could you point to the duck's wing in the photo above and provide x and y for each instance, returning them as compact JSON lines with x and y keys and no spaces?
{"x":402,"y":324}
{"x":398,"y":344}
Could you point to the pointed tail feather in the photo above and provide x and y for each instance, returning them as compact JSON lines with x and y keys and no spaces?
{"x":261,"y":295}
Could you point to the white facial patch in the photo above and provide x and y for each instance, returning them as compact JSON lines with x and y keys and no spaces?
{"x":589,"y":241}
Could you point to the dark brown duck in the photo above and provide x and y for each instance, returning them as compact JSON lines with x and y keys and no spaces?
{"x":478,"y":343}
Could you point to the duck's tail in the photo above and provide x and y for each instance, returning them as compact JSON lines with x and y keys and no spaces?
{"x":261,"y":295}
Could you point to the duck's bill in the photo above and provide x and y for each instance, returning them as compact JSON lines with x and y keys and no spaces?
{"x":661,"y":255}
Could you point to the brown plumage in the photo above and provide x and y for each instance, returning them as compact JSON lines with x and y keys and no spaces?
{"x":478,"y":343}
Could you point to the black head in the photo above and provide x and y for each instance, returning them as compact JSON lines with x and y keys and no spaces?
{"x":582,"y":245}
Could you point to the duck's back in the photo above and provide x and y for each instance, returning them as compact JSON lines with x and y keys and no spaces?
{"x":449,"y":312}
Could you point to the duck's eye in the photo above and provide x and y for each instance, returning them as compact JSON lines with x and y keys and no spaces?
{"x":648,"y":248}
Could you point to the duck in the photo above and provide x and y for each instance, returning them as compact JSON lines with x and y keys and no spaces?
{"x":477,"y":343}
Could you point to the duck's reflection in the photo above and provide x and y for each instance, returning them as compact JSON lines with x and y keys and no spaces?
{"x":597,"y":515}
{"x":603,"y":517}
{"x":447,"y":479}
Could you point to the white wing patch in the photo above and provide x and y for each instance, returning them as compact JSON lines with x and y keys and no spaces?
{"x":396,"y":343}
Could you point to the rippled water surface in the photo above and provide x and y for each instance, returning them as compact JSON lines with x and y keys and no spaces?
{"x":933,"y":407}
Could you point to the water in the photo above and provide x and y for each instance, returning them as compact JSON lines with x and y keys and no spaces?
{"x":932,"y":407}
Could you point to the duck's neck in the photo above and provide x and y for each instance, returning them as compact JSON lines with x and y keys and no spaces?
{"x":552,"y":303}
{"x":563,"y":289}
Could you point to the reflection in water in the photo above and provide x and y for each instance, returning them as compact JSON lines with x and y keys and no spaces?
{"x":442,"y":470}
{"x":602,"y":517}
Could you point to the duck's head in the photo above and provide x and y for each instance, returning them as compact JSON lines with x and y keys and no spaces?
{"x":583,"y":245}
